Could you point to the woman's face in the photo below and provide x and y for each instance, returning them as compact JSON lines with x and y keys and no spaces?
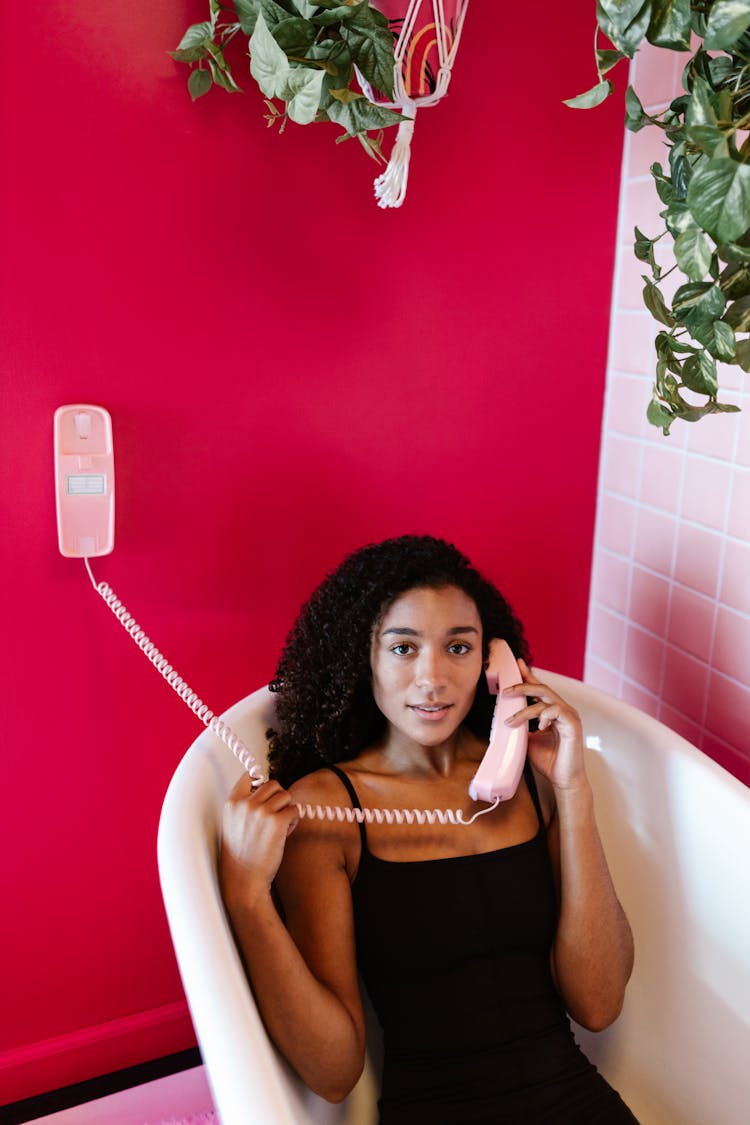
{"x":426,"y":660}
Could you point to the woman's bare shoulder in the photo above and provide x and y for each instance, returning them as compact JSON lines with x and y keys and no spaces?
{"x":322,"y":787}
{"x":335,"y":842}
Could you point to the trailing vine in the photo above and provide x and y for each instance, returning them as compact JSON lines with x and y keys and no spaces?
{"x":704,"y":186}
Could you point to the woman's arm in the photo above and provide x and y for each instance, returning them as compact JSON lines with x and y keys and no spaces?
{"x":303,"y":973}
{"x":592,"y":955}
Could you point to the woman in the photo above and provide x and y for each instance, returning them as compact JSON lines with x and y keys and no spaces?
{"x":473,"y":942}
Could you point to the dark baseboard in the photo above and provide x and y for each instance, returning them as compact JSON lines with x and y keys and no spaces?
{"x":55,"y":1100}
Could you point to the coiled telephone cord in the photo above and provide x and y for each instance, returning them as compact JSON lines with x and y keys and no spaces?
{"x":245,"y":756}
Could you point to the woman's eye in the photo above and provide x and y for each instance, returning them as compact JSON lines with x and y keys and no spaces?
{"x":459,"y":648}
{"x":401,"y":650}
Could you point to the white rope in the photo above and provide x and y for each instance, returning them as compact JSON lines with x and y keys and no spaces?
{"x":390,"y":186}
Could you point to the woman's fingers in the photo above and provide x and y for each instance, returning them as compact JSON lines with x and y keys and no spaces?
{"x":545,"y":704}
{"x":259,"y":795}
{"x":256,"y":823}
{"x":545,"y":712}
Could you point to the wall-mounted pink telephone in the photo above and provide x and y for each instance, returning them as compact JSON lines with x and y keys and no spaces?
{"x":84,"y":474}
{"x":85,"y":480}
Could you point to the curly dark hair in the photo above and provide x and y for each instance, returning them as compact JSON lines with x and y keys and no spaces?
{"x":325,"y":705}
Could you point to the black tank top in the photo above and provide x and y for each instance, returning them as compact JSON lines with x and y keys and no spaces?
{"x":454,"y":954}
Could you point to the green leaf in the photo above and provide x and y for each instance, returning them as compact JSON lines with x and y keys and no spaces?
{"x":199,"y":83}
{"x":336,"y":59}
{"x":655,"y":303}
{"x":338,"y":14}
{"x":664,"y":187}
{"x":302,"y":94}
{"x":688,"y":413}
{"x":371,"y":43}
{"x":734,"y":281}
{"x":693,"y":253}
{"x":678,"y":219}
{"x":734,"y":252}
{"x":670,"y":24}
{"x":345,"y":95}
{"x":742,"y":349}
{"x":305,"y":8}
{"x":681,"y":171}
{"x":371,"y":145}
{"x":737,"y":315}
{"x":295,"y":36}
{"x":698,"y":303}
{"x":719,"y":198}
{"x":665,"y":340}
{"x":726,"y":23}
{"x":724,"y":347}
{"x":643,"y":248}
{"x":666,"y":354}
{"x":636,"y":117}
{"x":699,"y":374}
{"x":700,"y":108}
{"x":269,"y":65}
{"x":718,"y":337}
{"x":247,"y":14}
{"x":595,"y":96}
{"x":188,"y":55}
{"x":222,"y":76}
{"x":707,"y":138}
{"x":360,"y":115}
{"x":658,"y":416}
{"x":606,"y":60}
{"x":642,"y":245}
{"x":196,"y":36}
{"x":273,"y":13}
{"x":698,"y":21}
{"x":625,"y":22}
{"x":720,"y":68}
{"x":216,"y":53}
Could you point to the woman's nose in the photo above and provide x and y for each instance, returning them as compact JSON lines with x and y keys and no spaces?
{"x":430,"y":671}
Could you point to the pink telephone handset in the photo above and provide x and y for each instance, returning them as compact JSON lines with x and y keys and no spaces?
{"x":85,"y":480}
{"x":500,"y":771}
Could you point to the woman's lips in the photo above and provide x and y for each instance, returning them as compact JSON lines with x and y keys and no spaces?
{"x":430,"y":712}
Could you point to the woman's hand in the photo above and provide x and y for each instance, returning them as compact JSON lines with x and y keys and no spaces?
{"x":255,"y":827}
{"x":303,"y":967}
{"x":556,"y":749}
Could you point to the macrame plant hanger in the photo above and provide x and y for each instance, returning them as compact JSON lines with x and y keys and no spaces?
{"x":427,"y":36}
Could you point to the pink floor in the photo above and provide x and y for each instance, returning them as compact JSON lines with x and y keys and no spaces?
{"x":178,"y":1099}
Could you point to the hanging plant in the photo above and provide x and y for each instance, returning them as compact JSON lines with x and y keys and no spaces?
{"x":704,"y":186}
{"x":303,"y":55}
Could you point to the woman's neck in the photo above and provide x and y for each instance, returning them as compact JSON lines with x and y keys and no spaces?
{"x":405,"y":756}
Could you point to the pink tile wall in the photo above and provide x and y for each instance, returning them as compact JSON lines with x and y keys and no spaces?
{"x":669,"y":623}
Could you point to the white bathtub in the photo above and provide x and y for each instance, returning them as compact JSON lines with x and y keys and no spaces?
{"x":676,"y":828}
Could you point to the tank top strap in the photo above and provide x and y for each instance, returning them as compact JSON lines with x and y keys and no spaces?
{"x":528,"y":774}
{"x":354,"y":800}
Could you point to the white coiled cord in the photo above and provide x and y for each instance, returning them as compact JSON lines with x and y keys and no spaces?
{"x":173,"y":678}
{"x":244,"y":755}
{"x":391,"y":816}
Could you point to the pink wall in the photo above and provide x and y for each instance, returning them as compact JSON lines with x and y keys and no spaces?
{"x":669,"y":625}
{"x":291,"y":373}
